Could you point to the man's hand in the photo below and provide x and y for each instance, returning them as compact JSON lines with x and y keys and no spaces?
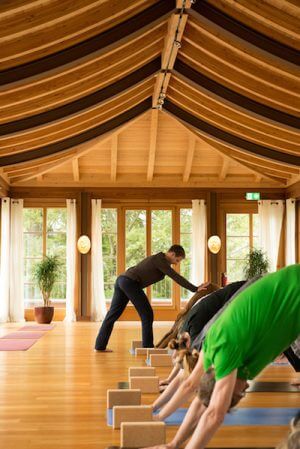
{"x":203,"y":286}
{"x":156,"y":417}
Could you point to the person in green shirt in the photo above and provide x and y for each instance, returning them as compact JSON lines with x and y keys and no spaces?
{"x":254,"y":329}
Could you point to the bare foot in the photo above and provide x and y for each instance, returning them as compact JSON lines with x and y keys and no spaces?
{"x":103,"y":350}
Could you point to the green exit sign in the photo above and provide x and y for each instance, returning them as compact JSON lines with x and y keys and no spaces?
{"x":253,"y":196}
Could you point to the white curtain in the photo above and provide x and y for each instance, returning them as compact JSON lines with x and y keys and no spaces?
{"x":98,"y":307}
{"x":71,"y":261}
{"x":270,"y":216}
{"x":16,"y":293}
{"x":290,"y":235}
{"x":5,"y":253}
{"x":199,"y":238}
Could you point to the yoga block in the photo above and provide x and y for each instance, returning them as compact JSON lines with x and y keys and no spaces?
{"x":131,"y":413}
{"x":141,"y":351}
{"x":139,"y":371}
{"x":136,"y":344}
{"x":145,"y":384}
{"x":161,"y":360}
{"x":123,"y":397}
{"x":137,"y":435}
{"x":156,"y":351}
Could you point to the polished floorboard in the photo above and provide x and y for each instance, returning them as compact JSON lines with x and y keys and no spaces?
{"x":53,"y":396}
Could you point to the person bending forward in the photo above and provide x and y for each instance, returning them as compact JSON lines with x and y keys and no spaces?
{"x":129,"y":287}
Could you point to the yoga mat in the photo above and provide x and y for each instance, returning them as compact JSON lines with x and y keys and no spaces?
{"x":123,"y":386}
{"x":16,"y":345}
{"x":22,"y":335}
{"x":238,"y":417}
{"x":37,"y":327}
{"x":272,"y":387}
{"x":257,"y":447}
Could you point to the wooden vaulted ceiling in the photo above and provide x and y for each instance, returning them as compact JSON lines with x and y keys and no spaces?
{"x":79,"y":78}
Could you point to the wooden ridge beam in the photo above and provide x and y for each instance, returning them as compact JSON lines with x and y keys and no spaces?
{"x":172,"y":44}
{"x":152,"y":147}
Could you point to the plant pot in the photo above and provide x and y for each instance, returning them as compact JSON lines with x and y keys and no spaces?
{"x":44,"y":315}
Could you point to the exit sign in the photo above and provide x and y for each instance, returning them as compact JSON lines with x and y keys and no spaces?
{"x":253,"y":196}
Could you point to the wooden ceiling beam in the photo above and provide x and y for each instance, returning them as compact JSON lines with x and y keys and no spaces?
{"x":189,"y":158}
{"x":75,"y":169}
{"x":152,"y":146}
{"x":114,"y":157}
{"x":77,"y":152}
{"x":172,"y":44}
{"x":224,"y":169}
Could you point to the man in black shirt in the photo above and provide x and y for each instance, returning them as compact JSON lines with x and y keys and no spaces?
{"x":129,"y":287}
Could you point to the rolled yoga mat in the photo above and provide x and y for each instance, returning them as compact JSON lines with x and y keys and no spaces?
{"x":272,"y":387}
{"x":238,"y":417}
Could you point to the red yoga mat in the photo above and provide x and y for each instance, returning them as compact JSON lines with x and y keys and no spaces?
{"x":23,"y":335}
{"x":16,"y":345}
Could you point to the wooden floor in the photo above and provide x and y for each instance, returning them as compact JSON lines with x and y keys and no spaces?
{"x":53,"y":396}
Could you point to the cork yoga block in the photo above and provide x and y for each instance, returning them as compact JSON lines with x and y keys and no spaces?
{"x":123,"y":397}
{"x":141,"y":351}
{"x":145,"y":384}
{"x":131,"y":413}
{"x":156,"y":351}
{"x":137,"y":435}
{"x":161,"y":360}
{"x":136,"y":344}
{"x":140,"y":371}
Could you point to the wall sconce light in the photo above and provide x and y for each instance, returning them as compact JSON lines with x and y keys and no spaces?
{"x":214,"y":244}
{"x":83,"y":244}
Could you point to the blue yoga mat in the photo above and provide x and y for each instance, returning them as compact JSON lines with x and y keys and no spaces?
{"x":238,"y":417}
{"x":131,"y":351}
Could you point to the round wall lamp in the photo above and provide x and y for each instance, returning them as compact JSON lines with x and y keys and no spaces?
{"x":214,"y":244}
{"x":83,"y":244}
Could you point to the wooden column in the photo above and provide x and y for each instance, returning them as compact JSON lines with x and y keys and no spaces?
{"x":85,"y":262}
{"x":213,"y":230}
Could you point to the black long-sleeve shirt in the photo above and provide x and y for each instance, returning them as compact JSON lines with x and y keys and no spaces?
{"x":153,"y":269}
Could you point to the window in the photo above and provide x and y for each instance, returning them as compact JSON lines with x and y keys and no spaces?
{"x":186,"y":242}
{"x":109,"y":250}
{"x":44,"y":234}
{"x":135,"y":236}
{"x":242,"y":232}
{"x":161,"y":240}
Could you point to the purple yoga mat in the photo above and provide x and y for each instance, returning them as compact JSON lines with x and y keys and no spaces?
{"x":16,"y":345}
{"x":37,"y":327}
{"x":23,"y":335}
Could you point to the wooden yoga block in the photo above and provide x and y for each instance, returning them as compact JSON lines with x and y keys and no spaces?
{"x":141,"y":351}
{"x":145,"y":384}
{"x":136,"y":344}
{"x":161,"y":360}
{"x":139,"y":371}
{"x":131,"y":413}
{"x":137,"y":435}
{"x":156,"y":351}
{"x":123,"y":397}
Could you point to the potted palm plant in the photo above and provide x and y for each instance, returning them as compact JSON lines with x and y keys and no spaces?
{"x":46,"y":272}
{"x":257,"y":264}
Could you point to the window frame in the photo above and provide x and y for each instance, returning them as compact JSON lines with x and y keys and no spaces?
{"x":59,"y":303}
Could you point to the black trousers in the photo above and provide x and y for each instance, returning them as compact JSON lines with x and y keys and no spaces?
{"x":293,"y":359}
{"x":126,"y":289}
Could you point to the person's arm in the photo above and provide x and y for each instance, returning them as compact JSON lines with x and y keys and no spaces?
{"x":213,"y":416}
{"x":187,"y":389}
{"x":169,"y":391}
{"x":165,"y":268}
{"x":171,"y":376}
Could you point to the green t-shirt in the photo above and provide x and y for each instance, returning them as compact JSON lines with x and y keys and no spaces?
{"x":256,"y":327}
